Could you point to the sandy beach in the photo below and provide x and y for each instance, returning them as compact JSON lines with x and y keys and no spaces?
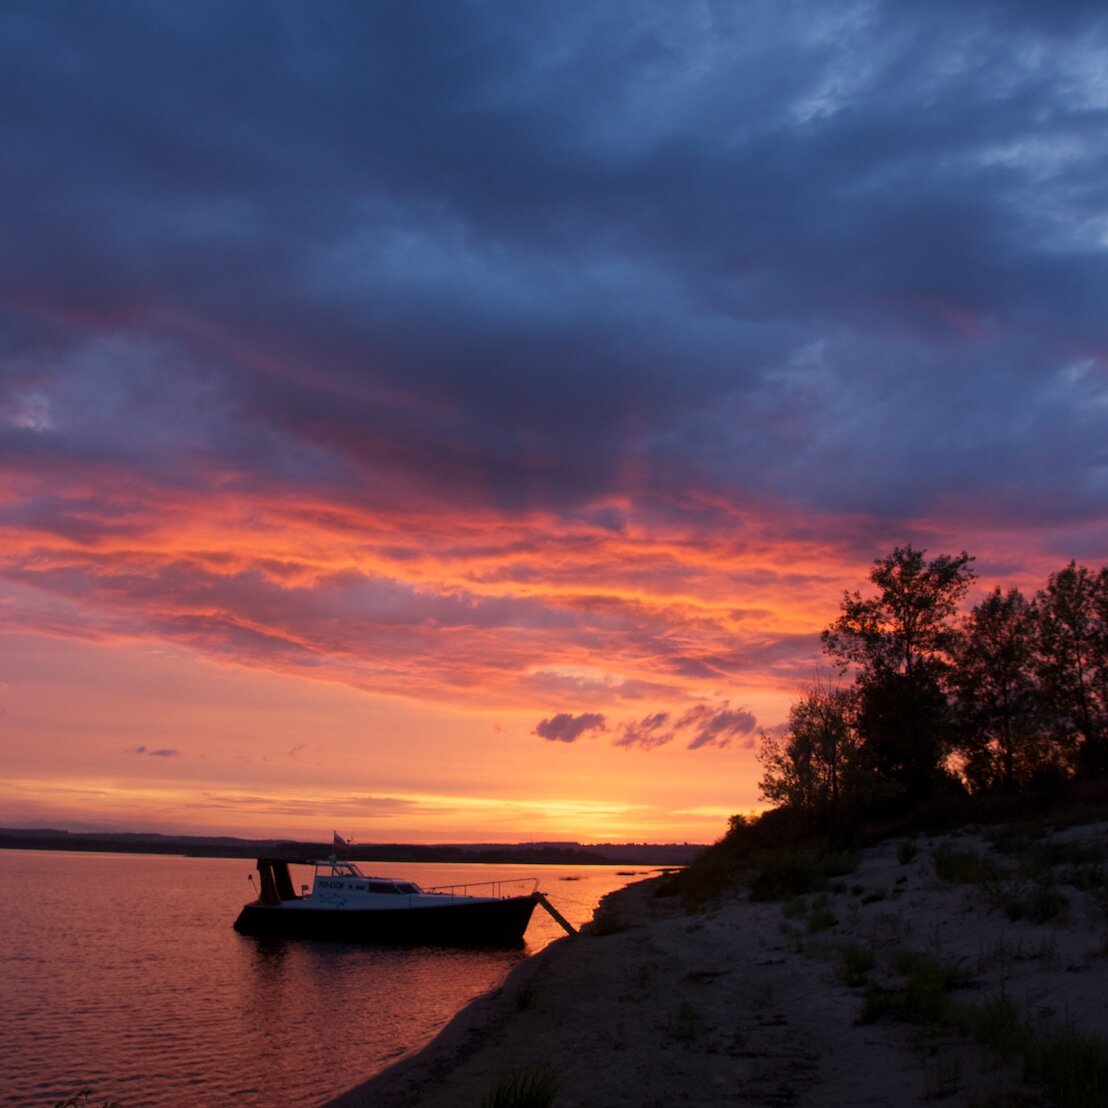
{"x":782,"y":1003}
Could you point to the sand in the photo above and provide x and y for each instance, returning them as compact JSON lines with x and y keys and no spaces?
{"x":744,"y":1004}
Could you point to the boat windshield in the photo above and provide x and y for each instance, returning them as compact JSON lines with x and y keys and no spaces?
{"x":339,"y":869}
{"x":383,"y":885}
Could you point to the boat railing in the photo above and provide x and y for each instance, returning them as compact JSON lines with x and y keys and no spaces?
{"x":527,"y":886}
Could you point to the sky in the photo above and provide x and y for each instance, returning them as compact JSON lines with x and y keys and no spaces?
{"x":456,"y":421}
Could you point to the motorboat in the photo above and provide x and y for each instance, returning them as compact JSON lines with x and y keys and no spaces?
{"x":344,"y":903}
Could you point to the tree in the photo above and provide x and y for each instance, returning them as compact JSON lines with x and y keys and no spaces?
{"x":812,"y":767}
{"x":899,"y":644}
{"x":1071,"y":618}
{"x":996,"y":695}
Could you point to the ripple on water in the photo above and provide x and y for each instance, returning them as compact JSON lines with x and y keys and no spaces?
{"x":123,"y":974}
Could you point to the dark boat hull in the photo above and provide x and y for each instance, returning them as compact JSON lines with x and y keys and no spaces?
{"x":487,"y":923}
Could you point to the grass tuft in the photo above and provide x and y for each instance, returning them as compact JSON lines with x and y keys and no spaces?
{"x":1039,"y":902}
{"x":1072,"y":1066}
{"x":1069,"y":1066}
{"x":525,"y":996}
{"x":944,"y":1078}
{"x":534,"y":1087}
{"x":686,"y":1023}
{"x":998,"y":1024}
{"x":820,"y":916}
{"x":856,"y":965}
{"x":964,"y":867}
{"x":924,"y":998}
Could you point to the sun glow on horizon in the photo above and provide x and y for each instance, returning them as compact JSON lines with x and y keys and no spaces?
{"x":260,"y":691}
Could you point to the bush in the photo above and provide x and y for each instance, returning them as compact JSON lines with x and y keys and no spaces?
{"x":715,"y":872}
{"x":607,"y":923}
{"x":779,"y":874}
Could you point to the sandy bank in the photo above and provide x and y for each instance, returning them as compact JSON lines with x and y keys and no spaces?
{"x":748,"y":1003}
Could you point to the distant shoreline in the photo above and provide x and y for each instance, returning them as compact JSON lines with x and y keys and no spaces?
{"x":194,"y":846}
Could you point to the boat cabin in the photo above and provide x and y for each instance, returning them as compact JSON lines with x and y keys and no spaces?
{"x":331,"y":877}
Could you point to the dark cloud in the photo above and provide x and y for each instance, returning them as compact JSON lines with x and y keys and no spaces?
{"x":638,"y":269}
{"x":568,"y":728}
{"x":701,"y":725}
{"x":716,"y":726}
{"x":494,"y":251}
{"x":161,"y":752}
{"x":651,"y":731}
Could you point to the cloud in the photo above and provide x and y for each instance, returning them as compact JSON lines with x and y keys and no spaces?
{"x":701,"y":725}
{"x":602,"y":332}
{"x":647,"y":733}
{"x":797,"y":229}
{"x":567,"y":728}
{"x":716,"y":726}
{"x":160,"y":752}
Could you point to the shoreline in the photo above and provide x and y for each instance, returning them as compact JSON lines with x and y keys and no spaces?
{"x":443,"y":1054}
{"x":748,"y":1003}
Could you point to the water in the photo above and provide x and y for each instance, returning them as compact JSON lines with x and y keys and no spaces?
{"x":121,"y":973}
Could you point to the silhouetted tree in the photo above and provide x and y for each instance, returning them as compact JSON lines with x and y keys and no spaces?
{"x":1071,"y":618}
{"x":899,"y":643}
{"x":996,"y":695}
{"x":814,"y":767}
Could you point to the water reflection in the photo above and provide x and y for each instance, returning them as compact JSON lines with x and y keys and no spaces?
{"x":123,"y":973}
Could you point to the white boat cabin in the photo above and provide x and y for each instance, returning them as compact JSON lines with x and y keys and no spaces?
{"x":333,"y":878}
{"x":343,"y":885}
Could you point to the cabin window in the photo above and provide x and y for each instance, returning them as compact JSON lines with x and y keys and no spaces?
{"x":382,"y":887}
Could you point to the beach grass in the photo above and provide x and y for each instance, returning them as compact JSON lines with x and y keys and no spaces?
{"x":533,"y":1087}
{"x":1069,"y":1065}
{"x":906,"y":852}
{"x":924,"y":997}
{"x":964,"y":866}
{"x":686,"y":1023}
{"x":855,"y":965}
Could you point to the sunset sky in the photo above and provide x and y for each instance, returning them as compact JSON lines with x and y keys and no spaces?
{"x":457,"y":421}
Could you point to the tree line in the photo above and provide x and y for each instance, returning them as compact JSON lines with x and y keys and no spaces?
{"x":930,"y":701}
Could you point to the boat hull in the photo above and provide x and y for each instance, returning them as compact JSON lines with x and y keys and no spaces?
{"x":484,"y":923}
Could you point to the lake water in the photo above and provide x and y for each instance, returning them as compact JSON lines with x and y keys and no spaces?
{"x":121,"y":973}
